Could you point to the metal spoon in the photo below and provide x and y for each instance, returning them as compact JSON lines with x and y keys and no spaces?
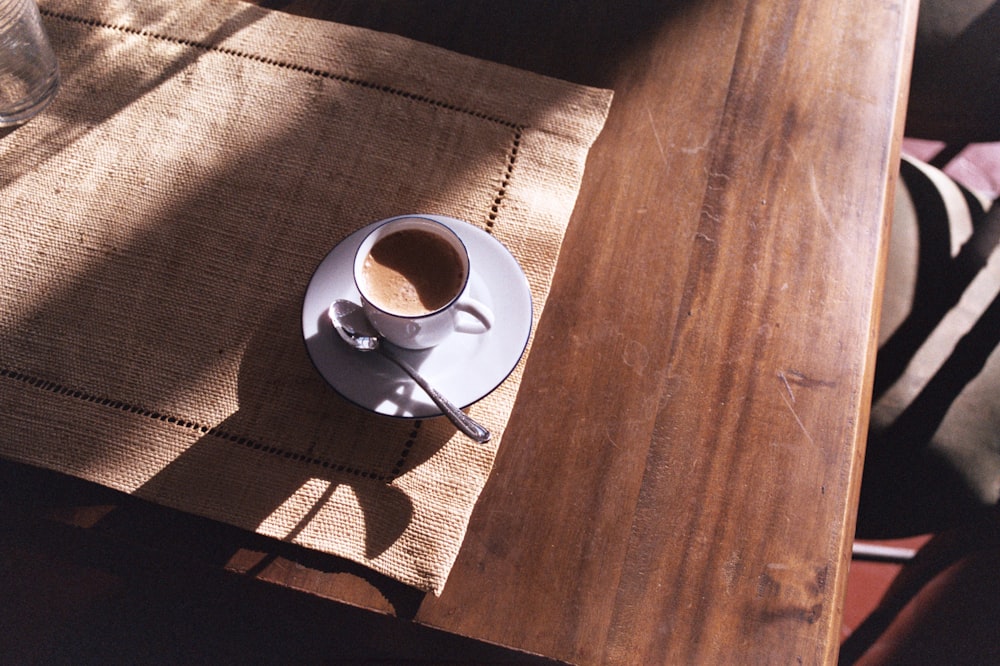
{"x":355,"y":329}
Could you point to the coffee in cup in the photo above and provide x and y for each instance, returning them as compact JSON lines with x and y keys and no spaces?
{"x":412,"y":273}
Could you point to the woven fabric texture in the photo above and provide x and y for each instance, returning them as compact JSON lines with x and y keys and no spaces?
{"x":162,"y":219}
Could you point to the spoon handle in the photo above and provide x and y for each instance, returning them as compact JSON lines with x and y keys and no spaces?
{"x":460,"y":419}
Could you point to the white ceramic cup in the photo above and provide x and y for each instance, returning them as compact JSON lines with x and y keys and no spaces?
{"x":413,"y":276}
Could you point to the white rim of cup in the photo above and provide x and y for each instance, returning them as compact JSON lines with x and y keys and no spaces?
{"x":367,"y":244}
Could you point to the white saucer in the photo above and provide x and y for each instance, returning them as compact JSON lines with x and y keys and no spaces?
{"x":465,"y":367}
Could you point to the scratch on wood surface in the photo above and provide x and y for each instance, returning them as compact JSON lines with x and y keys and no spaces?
{"x":656,"y":135}
{"x":824,"y":210}
{"x":636,"y":356}
{"x":820,"y":204}
{"x":788,"y":387}
{"x":791,"y":408}
{"x":731,"y":569}
{"x":696,"y":149}
{"x":801,"y":379}
{"x":717,"y":181}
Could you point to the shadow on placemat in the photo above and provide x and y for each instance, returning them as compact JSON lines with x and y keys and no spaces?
{"x":201,"y":474}
{"x":582,"y":42}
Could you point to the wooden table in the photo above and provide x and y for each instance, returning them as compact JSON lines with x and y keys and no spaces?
{"x":679,"y":479}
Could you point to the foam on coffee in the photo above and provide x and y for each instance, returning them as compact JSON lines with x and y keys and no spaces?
{"x":412,"y":272}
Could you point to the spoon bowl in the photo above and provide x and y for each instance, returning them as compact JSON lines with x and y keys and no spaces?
{"x":353,"y":327}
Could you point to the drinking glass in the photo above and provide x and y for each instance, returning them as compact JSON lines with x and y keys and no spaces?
{"x":29,"y":72}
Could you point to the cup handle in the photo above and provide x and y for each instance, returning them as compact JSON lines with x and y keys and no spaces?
{"x":479,"y":321}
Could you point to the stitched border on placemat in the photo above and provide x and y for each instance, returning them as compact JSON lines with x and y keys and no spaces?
{"x":518,"y":128}
{"x":222,"y":435}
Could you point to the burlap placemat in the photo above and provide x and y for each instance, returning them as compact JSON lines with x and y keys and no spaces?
{"x":162,"y":219}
